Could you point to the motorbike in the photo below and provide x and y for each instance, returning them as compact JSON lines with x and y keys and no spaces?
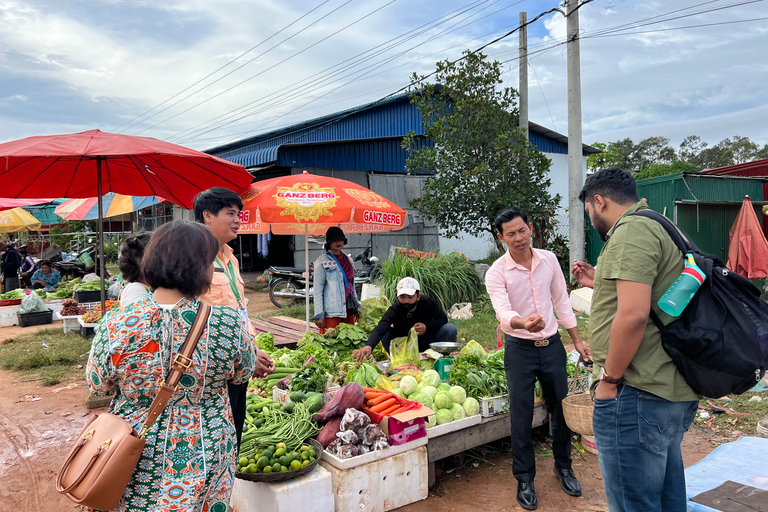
{"x":287,"y":284}
{"x":81,"y":266}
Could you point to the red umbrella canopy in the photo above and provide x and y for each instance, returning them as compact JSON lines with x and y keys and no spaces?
{"x":67,"y":166}
{"x":748,"y":250}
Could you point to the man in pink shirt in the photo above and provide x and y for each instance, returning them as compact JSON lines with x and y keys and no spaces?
{"x":527,"y":288}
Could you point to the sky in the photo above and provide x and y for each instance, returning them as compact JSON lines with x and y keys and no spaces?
{"x":202,"y":73}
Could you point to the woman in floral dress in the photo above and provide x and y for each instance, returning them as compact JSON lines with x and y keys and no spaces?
{"x":189,"y":457}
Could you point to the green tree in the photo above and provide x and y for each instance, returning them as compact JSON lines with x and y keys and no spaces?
{"x":482,"y":161}
{"x":663,"y":169}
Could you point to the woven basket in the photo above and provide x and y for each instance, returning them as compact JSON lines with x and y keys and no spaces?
{"x":284,"y":475}
{"x":578,"y":408}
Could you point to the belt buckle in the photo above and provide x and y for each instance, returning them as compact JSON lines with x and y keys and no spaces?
{"x":540,"y":343}
{"x":182,"y":361}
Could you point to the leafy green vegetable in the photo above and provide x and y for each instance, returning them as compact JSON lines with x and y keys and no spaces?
{"x":13,"y":295}
{"x":309,"y":378}
{"x":266,"y":342}
{"x":480,"y":378}
{"x":322,"y":358}
{"x":371,"y":311}
{"x":365,"y":374}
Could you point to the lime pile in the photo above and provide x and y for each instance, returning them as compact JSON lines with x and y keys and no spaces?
{"x":277,"y":458}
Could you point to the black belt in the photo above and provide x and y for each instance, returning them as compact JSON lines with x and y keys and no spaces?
{"x":534,"y":343}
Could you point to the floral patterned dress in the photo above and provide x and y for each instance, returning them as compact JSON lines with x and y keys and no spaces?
{"x":189,"y":457}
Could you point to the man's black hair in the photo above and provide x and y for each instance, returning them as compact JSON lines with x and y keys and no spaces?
{"x":614,"y":183}
{"x":22,"y":250}
{"x":508,"y":215}
{"x":214,"y":200}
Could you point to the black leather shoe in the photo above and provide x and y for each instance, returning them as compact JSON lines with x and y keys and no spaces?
{"x":526,"y":496}
{"x":568,"y":481}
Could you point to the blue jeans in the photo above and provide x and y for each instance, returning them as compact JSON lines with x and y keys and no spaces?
{"x":447,"y":332}
{"x":638,"y":438}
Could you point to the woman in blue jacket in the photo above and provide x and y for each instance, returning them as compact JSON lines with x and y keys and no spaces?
{"x":334,"y":283}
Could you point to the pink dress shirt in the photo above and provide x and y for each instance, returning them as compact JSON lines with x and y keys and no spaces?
{"x":517,"y":291}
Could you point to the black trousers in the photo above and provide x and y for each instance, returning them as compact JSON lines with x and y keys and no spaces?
{"x":524,"y":363}
{"x":238,"y":395}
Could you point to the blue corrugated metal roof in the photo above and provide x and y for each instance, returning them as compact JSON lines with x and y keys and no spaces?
{"x":355,"y":139}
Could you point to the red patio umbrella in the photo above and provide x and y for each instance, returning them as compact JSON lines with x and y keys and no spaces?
{"x":92,"y":163}
{"x":748,"y":250}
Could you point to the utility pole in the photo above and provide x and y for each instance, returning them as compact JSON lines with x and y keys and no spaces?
{"x":523,"y":88}
{"x":575,"y":158}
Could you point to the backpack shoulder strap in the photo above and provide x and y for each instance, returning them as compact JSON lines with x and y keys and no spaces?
{"x":672,"y":230}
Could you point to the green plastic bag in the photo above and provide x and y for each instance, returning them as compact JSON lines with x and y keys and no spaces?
{"x":371,"y":311}
{"x":404,"y":350}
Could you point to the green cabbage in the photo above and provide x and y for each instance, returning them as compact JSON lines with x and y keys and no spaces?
{"x":458,"y":394}
{"x":408,"y":385}
{"x":430,"y":378}
{"x":475,"y":349}
{"x":443,"y":416}
{"x":458,"y":412}
{"x":398,"y":392}
{"x":431,"y":421}
{"x":471,"y":406}
{"x":430,"y":390}
{"x":422,"y":398}
{"x":443,"y":400}
{"x":444,"y":387}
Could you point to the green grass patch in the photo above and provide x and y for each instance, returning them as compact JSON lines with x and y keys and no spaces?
{"x":48,"y":355}
{"x":295,"y":311}
{"x":583,"y":327}
{"x":724,"y":424}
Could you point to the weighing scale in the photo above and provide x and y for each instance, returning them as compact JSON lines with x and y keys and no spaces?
{"x":443,"y":365}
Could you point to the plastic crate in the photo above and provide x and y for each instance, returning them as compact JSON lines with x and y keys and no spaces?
{"x":86,"y":330}
{"x":92,"y":296}
{"x":491,"y":406}
{"x":37,"y":318}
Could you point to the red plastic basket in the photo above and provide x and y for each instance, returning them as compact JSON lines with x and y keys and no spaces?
{"x":10,"y":302}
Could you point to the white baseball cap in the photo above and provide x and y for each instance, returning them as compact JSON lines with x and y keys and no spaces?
{"x":407,"y":286}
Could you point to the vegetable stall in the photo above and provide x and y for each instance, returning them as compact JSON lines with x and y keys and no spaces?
{"x":370,"y":432}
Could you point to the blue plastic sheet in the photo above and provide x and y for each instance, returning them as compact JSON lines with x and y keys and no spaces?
{"x":744,"y":460}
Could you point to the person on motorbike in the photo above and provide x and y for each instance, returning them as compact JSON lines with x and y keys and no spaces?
{"x":46,"y":277}
{"x":334,"y":282}
{"x":412,"y":309}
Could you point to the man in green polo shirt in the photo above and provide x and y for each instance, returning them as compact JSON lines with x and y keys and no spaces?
{"x":643,"y":406}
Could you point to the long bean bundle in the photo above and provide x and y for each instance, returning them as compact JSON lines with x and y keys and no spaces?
{"x":280,"y":427}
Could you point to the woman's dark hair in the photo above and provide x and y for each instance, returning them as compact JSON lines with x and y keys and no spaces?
{"x":22,"y":250}
{"x":214,"y":200}
{"x":508,"y":215}
{"x":614,"y":183}
{"x":179,"y":256}
{"x":131,"y":252}
{"x":44,"y":263}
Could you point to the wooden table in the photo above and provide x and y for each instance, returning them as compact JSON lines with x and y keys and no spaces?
{"x":488,"y":430}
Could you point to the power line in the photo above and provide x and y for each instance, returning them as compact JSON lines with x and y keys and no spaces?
{"x":230,"y":62}
{"x":307,"y":83}
{"x":271,"y":67}
{"x":676,"y":28}
{"x":554,"y":125}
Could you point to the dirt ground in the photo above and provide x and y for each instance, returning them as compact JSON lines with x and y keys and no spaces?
{"x":37,"y":425}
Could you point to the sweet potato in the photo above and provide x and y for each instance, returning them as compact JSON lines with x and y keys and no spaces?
{"x":328,"y":432}
{"x":350,"y":396}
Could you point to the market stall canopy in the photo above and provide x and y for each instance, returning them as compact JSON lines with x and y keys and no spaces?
{"x":68,"y":166}
{"x":748,"y":250}
{"x":112,"y":205}
{"x":7,"y":204}
{"x":305,"y":203}
{"x":17,"y":219}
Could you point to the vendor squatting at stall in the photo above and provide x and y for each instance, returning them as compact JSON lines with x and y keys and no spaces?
{"x":411,"y":309}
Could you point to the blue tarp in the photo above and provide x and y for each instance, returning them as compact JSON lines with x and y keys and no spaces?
{"x":744,"y":460}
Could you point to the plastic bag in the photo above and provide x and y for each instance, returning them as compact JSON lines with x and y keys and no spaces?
{"x":415,"y":373}
{"x":384,"y":383}
{"x":353,"y":420}
{"x":473,"y":348}
{"x":32,"y":303}
{"x":461,"y":311}
{"x":404,"y":350}
{"x":371,"y":311}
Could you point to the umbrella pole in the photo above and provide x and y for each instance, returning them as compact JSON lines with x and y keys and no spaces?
{"x":102,"y":266}
{"x":306,"y":267}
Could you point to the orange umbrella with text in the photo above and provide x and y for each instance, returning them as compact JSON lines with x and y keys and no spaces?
{"x":308,"y":204}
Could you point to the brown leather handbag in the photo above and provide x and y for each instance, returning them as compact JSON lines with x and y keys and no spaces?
{"x":104,"y":457}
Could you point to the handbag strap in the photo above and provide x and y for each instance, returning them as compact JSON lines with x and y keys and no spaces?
{"x":179,"y":365}
{"x":343,"y":274}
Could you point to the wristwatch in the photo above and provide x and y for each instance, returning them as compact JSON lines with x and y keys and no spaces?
{"x":611,"y":380}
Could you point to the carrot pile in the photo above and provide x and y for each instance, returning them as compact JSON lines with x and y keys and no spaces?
{"x":381,"y":402}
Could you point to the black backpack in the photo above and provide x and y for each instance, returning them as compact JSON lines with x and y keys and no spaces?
{"x":720,"y":342}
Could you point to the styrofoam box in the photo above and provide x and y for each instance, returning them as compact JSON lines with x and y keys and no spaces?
{"x":71,"y":323}
{"x":369,"y":457}
{"x":453,"y":426}
{"x":312,"y":492}
{"x":8,"y":315}
{"x":283,"y":395}
{"x":382,"y":485}
{"x":491,"y":406}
